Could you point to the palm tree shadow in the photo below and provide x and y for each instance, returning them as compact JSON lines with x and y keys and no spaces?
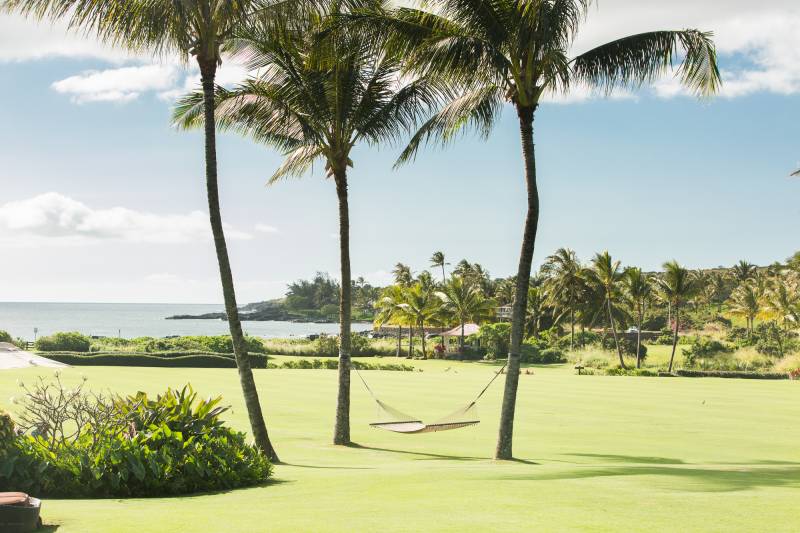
{"x":47,"y":528}
{"x":694,"y":479}
{"x":629,"y":458}
{"x":323,"y":467}
{"x":421,"y":456}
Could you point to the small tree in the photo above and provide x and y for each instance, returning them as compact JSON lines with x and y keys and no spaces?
{"x":676,"y":287}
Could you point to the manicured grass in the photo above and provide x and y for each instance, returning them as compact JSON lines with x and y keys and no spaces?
{"x":596,"y":454}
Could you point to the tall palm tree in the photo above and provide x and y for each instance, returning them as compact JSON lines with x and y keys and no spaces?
{"x":564,"y":283}
{"x":746,"y":301}
{"x":421,"y":305}
{"x":464,"y":303}
{"x":640,"y":291}
{"x":504,"y":51}
{"x":743,"y":271}
{"x":536,"y":306}
{"x":203,"y":29}
{"x":437,"y":260}
{"x":402,"y":275}
{"x":607,"y":274}
{"x":676,"y":287}
{"x":318,"y":96}
{"x":391,"y":311}
{"x":782,"y":299}
{"x":717,"y":285}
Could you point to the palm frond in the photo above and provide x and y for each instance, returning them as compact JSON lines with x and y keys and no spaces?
{"x":634,"y":60}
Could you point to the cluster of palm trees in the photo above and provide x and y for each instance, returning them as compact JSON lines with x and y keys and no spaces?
{"x":328,"y":76}
{"x":772,"y":293}
{"x":419,"y":302}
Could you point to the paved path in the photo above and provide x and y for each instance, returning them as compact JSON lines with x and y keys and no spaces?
{"x":13,"y":357}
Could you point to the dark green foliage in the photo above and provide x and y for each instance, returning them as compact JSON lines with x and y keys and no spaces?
{"x":156,"y":360}
{"x":172,"y":444}
{"x":202,"y":343}
{"x":704,"y":347}
{"x":496,"y":339}
{"x":539,"y":353}
{"x":64,"y":342}
{"x":333,"y":364}
{"x":618,"y":371}
{"x":774,"y":341}
{"x":5,"y":337}
{"x":730,"y":374}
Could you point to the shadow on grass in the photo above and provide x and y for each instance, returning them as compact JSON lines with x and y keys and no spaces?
{"x":47,"y":528}
{"x":422,"y":456}
{"x":692,"y":479}
{"x":630,"y":458}
{"x":323,"y":467}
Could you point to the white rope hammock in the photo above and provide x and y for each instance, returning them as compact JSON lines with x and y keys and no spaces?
{"x":394,"y":420}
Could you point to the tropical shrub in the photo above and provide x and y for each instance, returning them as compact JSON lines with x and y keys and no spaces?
{"x":333,"y":364}
{"x":702,"y":348}
{"x":5,"y":337}
{"x":730,"y":374}
{"x":774,"y":341}
{"x":64,"y":342}
{"x":202,"y":343}
{"x":155,"y":360}
{"x":496,"y":338}
{"x":127,"y":446}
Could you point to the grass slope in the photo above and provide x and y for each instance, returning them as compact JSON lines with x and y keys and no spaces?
{"x":597,"y":454}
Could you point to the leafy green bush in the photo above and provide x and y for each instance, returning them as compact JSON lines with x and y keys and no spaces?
{"x":730,"y":374}
{"x":774,"y":341}
{"x":64,"y":341}
{"x":173,"y":444}
{"x":205,"y":343}
{"x":619,"y":371}
{"x":154,"y":360}
{"x":539,"y":353}
{"x":333,"y":364}
{"x":702,"y":348}
{"x":496,"y":339}
{"x":5,"y":337}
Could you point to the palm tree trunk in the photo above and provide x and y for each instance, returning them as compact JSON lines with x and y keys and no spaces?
{"x":614,"y":332}
{"x":639,"y":339}
{"x":504,"y":448}
{"x":399,"y":339}
{"x":341,"y":432}
{"x":208,"y":71}
{"x":422,"y":329}
{"x":410,"y":341}
{"x":571,"y":328}
{"x":674,"y":339}
{"x":461,"y":340}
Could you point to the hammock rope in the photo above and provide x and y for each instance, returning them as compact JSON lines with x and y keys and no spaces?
{"x":392,"y":419}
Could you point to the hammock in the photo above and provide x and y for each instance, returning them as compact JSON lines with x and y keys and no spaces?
{"x":394,"y":420}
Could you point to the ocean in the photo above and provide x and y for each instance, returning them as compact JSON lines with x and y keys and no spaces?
{"x":138,"y":320}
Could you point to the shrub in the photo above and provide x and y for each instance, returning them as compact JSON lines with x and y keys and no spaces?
{"x":537,"y":352}
{"x":496,"y":339}
{"x":619,"y":371}
{"x":64,"y":341}
{"x":172,"y":444}
{"x":203,"y":343}
{"x":153,"y":360}
{"x":5,"y":337}
{"x":774,"y":341}
{"x":730,"y":374}
{"x":704,"y":347}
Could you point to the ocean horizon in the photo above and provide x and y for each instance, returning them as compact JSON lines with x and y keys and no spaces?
{"x":30,"y":320}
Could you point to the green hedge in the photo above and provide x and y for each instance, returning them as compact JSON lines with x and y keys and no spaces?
{"x":184,"y":361}
{"x":333,"y":364}
{"x":730,"y":374}
{"x":64,"y":341}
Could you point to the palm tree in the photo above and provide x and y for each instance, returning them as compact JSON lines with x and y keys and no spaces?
{"x":422,"y":306}
{"x":716,"y":288}
{"x":640,"y":291}
{"x":502,"y":51}
{"x":676,"y":287}
{"x":463,"y":303}
{"x":536,"y":304}
{"x":437,"y":260}
{"x":390,"y":311}
{"x":743,"y":271}
{"x":606,"y":274}
{"x":782,"y":298}
{"x":315,"y":99}
{"x":564,"y":283}
{"x":794,"y":261}
{"x":745,"y":301}
{"x":402,"y":274}
{"x":203,"y":29}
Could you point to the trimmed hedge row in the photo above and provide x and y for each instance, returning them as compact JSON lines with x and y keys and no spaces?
{"x":150,"y":354}
{"x":184,"y":361}
{"x":730,"y":374}
{"x":333,"y":364}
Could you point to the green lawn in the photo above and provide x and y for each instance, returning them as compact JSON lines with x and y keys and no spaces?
{"x":596,"y":454}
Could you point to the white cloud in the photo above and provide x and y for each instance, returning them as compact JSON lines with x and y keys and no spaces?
{"x":58,"y":219}
{"x":266,"y":228}
{"x":120,"y":84}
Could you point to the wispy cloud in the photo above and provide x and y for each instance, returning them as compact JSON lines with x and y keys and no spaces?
{"x":266,"y":228}
{"x":58,"y":219}
{"x":117,"y":85}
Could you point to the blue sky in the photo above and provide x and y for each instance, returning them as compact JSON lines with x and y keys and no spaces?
{"x":103,"y":201}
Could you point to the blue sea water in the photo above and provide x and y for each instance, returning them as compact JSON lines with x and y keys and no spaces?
{"x":138,"y":320}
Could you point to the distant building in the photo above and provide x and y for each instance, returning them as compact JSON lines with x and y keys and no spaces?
{"x":503,"y":312}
